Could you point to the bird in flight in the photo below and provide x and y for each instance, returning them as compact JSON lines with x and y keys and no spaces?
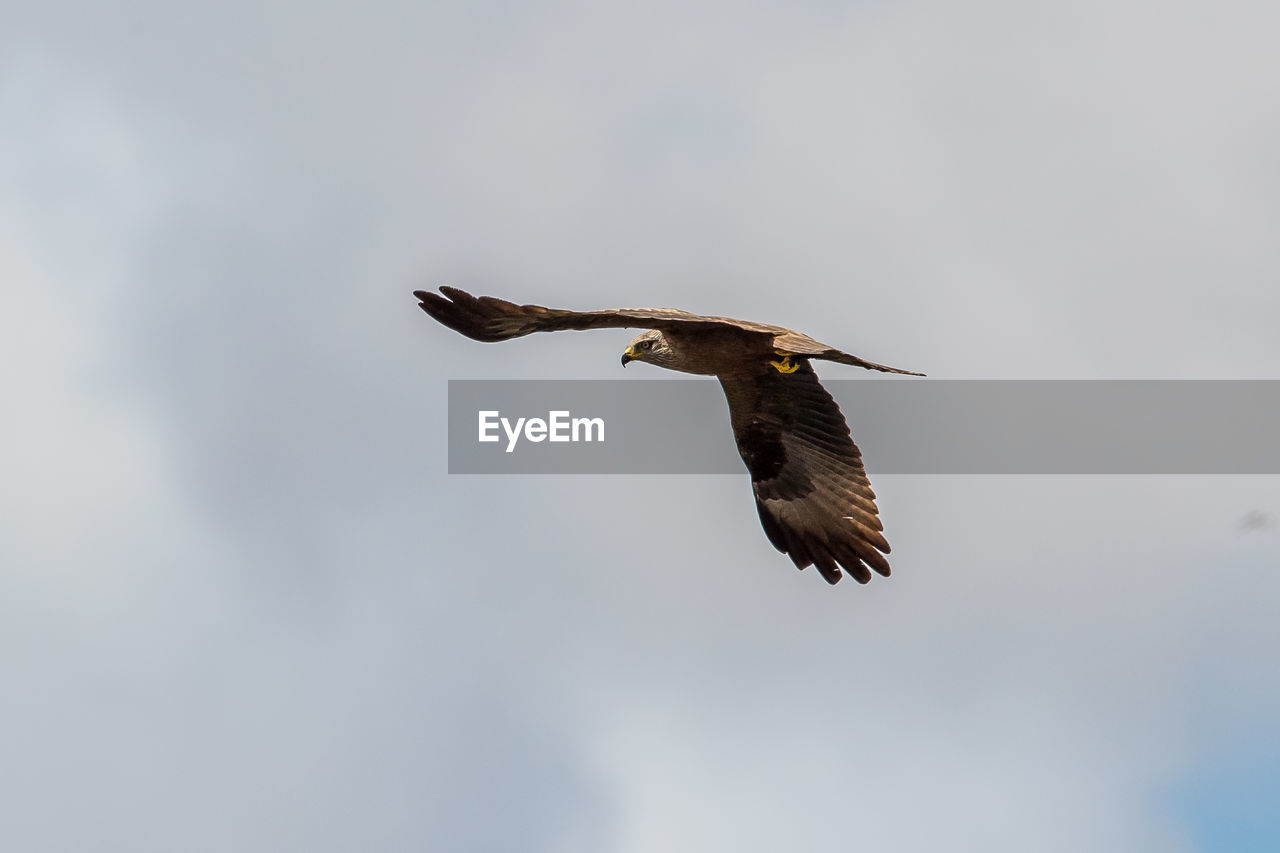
{"x":811,"y":489}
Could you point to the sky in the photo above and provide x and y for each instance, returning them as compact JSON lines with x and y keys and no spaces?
{"x":243,"y":605}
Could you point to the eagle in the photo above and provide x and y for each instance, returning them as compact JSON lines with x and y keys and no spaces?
{"x":811,"y":489}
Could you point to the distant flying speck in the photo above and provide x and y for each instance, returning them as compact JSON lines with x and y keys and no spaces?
{"x":1256,"y":519}
{"x":812,"y":494}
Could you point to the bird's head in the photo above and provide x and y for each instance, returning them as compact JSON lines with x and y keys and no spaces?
{"x":652,"y":347}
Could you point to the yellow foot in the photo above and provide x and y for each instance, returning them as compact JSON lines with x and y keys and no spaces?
{"x":785,"y":365}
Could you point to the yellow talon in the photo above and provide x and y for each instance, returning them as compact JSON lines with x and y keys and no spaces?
{"x":785,"y":366}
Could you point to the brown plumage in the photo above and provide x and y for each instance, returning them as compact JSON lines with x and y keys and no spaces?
{"x":811,"y":490}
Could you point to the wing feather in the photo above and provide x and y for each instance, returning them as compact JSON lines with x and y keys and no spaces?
{"x":812,"y":493}
{"x":487,"y":318}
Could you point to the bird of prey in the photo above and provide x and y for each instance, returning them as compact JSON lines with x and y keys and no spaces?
{"x":811,"y":490}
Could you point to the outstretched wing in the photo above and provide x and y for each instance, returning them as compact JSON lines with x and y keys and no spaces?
{"x":812,"y":492}
{"x":487,"y":318}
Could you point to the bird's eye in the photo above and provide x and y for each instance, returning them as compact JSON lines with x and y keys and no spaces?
{"x":646,"y":344}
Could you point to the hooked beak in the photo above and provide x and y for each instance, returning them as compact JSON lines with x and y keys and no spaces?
{"x":629,"y":355}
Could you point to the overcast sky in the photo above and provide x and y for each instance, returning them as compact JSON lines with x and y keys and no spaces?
{"x":243,"y":606}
